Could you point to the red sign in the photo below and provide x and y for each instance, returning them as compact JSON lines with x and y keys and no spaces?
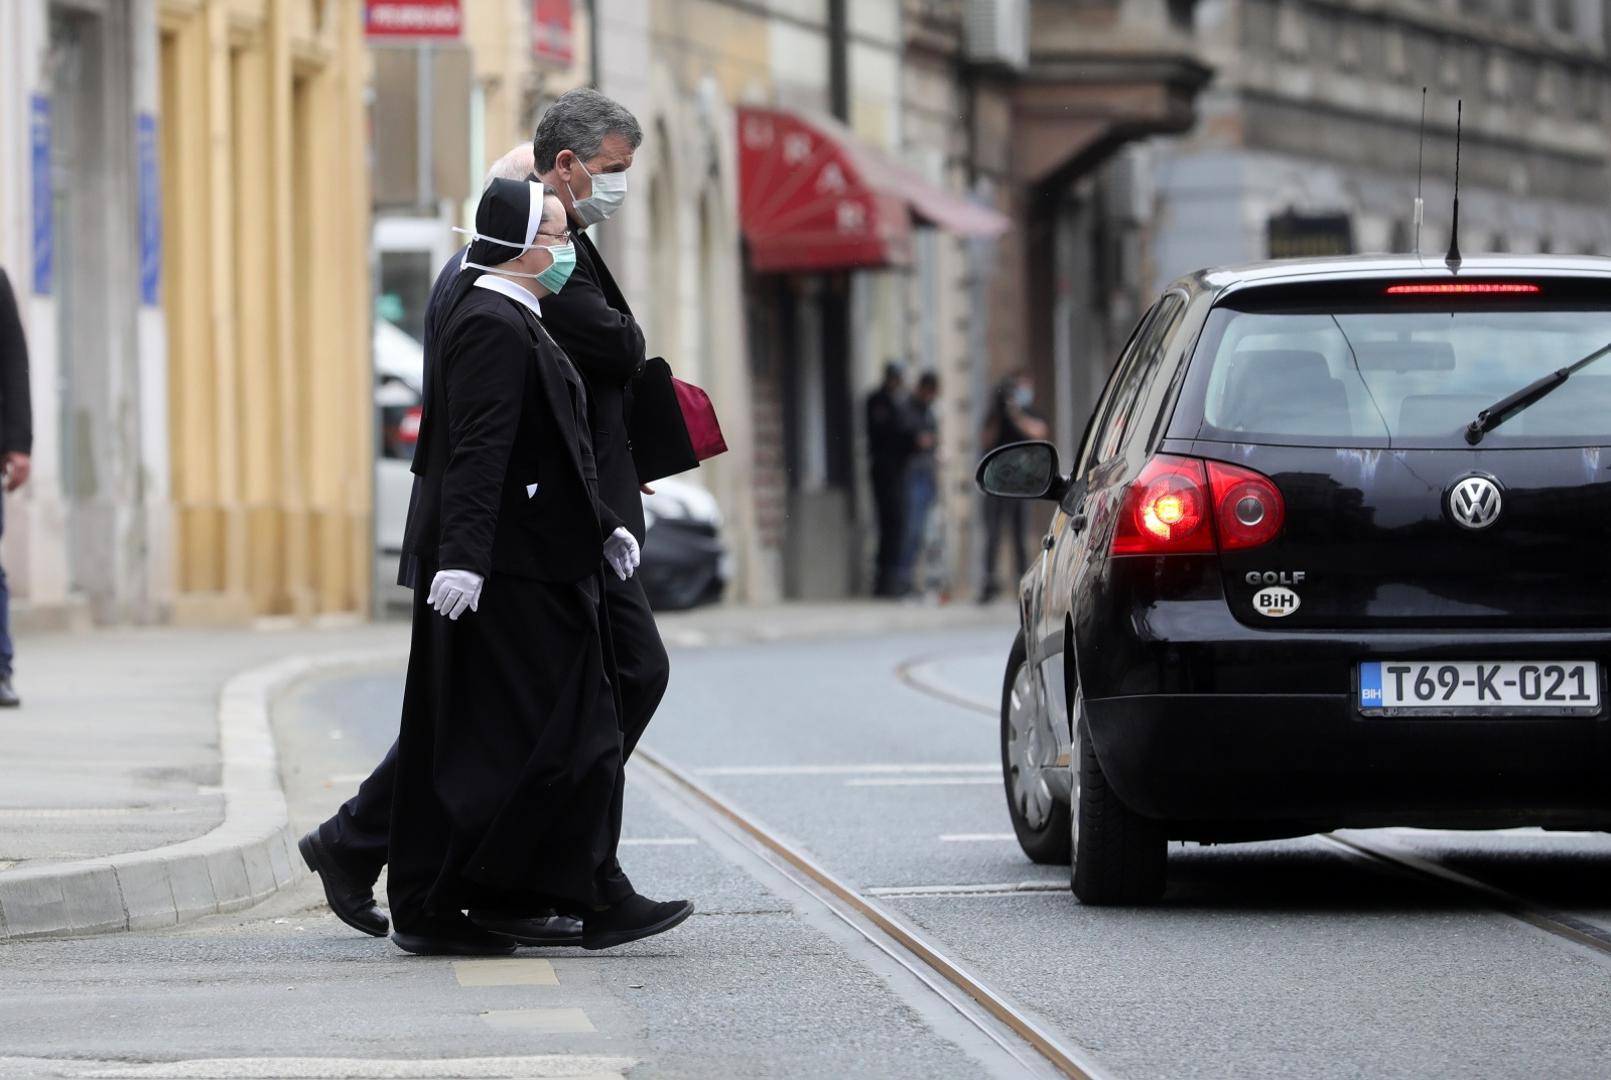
{"x":412,"y":18}
{"x":552,"y":36}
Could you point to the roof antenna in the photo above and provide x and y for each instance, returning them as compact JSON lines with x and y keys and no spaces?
{"x":1420,"y":168}
{"x":1453,"y":260}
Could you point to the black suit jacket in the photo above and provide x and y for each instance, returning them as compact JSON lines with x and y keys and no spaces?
{"x":500,"y":417}
{"x":591,"y":321}
{"x":16,"y":408}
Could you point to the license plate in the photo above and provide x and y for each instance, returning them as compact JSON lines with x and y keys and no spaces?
{"x":1562,"y":686}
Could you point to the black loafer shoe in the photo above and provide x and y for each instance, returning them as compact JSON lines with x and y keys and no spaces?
{"x":455,"y":938}
{"x":544,"y":929}
{"x":632,"y":919}
{"x":351,"y":899}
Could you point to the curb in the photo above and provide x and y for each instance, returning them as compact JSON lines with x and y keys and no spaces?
{"x":245,"y":859}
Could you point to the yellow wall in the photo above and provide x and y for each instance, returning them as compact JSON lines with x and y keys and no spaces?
{"x":266,"y":219}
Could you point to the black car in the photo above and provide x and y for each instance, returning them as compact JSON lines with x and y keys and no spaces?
{"x":1335,"y":551}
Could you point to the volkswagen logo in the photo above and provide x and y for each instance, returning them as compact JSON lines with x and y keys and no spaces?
{"x":1474,"y":502}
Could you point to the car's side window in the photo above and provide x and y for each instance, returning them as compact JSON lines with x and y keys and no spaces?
{"x":1138,"y":372}
{"x":1127,"y":358}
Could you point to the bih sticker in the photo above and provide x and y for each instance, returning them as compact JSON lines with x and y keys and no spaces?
{"x":1276,"y":603}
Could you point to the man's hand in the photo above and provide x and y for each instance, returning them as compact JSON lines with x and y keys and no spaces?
{"x":621,"y":552}
{"x":453,"y":592}
{"x":17,"y":466}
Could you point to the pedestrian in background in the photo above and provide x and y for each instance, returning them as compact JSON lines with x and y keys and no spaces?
{"x":16,"y":443}
{"x":1010,"y":421}
{"x":889,"y":448}
{"x":922,"y":476}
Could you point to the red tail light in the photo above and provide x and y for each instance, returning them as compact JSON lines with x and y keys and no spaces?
{"x":408,"y":425}
{"x":1179,"y":505}
{"x":1248,"y":508}
{"x":1166,"y":511}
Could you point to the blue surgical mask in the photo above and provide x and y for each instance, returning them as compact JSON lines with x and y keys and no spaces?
{"x":554,"y":278}
{"x":609,"y":192}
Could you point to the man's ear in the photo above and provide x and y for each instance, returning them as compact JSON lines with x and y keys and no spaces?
{"x":565,"y":164}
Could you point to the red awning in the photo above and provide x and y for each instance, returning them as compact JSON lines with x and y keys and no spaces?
{"x":812,"y":197}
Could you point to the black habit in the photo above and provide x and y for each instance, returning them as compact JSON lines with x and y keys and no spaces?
{"x":509,"y":783}
{"x":590,"y":320}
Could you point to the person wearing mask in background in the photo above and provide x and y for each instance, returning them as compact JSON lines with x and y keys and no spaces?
{"x":1010,"y":421}
{"x":16,"y":443}
{"x":922,"y":476}
{"x":509,"y":760}
{"x":889,"y":447}
{"x":583,"y":146}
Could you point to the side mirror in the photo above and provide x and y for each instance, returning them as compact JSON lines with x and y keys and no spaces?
{"x":1026,"y":470}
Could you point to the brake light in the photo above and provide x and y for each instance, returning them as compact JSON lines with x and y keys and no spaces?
{"x":1184,"y":506}
{"x":1166,"y":511}
{"x":1468,"y":288}
{"x":1248,"y":508}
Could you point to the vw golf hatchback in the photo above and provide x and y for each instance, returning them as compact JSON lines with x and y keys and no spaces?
{"x":1334,"y":551}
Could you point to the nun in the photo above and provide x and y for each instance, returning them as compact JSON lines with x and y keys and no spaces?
{"x":510,"y":781}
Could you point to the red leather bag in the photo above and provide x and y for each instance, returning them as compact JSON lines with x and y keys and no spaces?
{"x":672,"y":426}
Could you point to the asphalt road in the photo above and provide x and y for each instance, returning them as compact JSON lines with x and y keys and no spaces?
{"x":1289,"y":959}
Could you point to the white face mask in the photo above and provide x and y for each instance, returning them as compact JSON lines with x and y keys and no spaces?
{"x":609,"y":192}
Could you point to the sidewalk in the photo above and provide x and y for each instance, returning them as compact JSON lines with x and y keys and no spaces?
{"x":139,"y":785}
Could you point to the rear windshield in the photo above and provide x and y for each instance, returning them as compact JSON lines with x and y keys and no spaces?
{"x":1401,"y":376}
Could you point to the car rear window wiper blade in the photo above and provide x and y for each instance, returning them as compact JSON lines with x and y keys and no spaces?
{"x":1529,"y":395}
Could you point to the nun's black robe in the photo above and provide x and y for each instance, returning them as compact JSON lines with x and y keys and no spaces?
{"x":509,"y":760}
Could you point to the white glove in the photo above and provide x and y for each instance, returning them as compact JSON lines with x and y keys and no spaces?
{"x":621,"y":552}
{"x":453,"y":592}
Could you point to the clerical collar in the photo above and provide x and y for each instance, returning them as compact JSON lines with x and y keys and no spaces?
{"x":508,"y":288}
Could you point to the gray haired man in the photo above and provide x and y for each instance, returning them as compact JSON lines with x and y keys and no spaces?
{"x":582,"y":149}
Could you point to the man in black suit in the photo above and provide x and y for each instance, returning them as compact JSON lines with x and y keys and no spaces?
{"x":582,"y":137}
{"x":16,"y":443}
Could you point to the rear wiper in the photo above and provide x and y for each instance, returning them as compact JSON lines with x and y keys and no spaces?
{"x":1529,"y":395}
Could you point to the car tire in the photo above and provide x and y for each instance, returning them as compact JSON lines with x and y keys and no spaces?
{"x":1039,"y":820}
{"x":1118,"y":856}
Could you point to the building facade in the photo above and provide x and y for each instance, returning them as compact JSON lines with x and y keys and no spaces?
{"x":183,"y":202}
{"x":942,"y":135}
{"x":1311,"y":140}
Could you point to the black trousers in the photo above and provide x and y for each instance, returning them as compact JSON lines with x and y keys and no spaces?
{"x":1002,"y":515}
{"x":359,"y":831}
{"x":889,"y":501}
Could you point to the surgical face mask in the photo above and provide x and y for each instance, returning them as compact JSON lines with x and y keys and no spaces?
{"x":609,"y":192}
{"x":553,"y":279}
{"x":1024,"y":396}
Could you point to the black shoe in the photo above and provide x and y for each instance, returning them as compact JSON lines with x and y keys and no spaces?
{"x":633,"y":918}
{"x":348,"y":896}
{"x":548,"y":928}
{"x":8,"y":696}
{"x":452,"y":937}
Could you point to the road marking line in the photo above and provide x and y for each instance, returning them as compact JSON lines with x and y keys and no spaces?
{"x":841,"y":770}
{"x":658,"y":841}
{"x":547,"y":1066}
{"x":975,"y":837}
{"x":505,"y":971}
{"x":1005,"y":889}
{"x":561,"y":1021}
{"x":921,"y":781}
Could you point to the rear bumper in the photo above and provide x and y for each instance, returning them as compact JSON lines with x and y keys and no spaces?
{"x":1231,"y":763}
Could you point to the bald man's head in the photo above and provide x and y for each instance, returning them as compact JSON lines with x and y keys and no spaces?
{"x":515,"y":165}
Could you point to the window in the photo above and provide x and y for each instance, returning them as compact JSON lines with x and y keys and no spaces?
{"x":1565,"y":16}
{"x":1143,"y":364}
